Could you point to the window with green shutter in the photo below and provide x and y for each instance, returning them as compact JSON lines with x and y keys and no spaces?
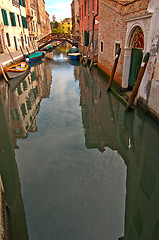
{"x":22,"y":3}
{"x":23,"y":109}
{"x":4,"y":15}
{"x":12,"y":18}
{"x":14,"y":114}
{"x":24,"y":21}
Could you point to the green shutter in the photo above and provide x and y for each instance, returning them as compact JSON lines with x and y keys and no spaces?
{"x":4,"y":15}
{"x":86,"y":37}
{"x":24,"y":21}
{"x":14,"y":114}
{"x":12,"y":18}
{"x":25,"y":85}
{"x":23,"y":3}
{"x":32,"y":76}
{"x":23,"y":109}
{"x":28,"y":104}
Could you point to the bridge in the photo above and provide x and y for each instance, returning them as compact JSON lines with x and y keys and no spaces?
{"x":51,"y":38}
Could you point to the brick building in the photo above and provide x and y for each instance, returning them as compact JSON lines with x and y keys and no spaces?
{"x":133,"y":26}
{"x":120,"y":23}
{"x":87,"y":11}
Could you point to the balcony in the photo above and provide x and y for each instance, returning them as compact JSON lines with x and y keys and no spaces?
{"x":29,"y":14}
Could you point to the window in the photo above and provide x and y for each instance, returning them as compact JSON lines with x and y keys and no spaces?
{"x":12,"y":19}
{"x":85,"y":8}
{"x":15,"y":2}
{"x":22,"y":3}
{"x":101,"y":46}
{"x":68,"y":28}
{"x":4,"y":15}
{"x":117,"y":46}
{"x":8,"y":39}
{"x":82,"y":11}
{"x":25,"y":39}
{"x":24,"y":22}
{"x":92,"y":5}
{"x":19,"y":20}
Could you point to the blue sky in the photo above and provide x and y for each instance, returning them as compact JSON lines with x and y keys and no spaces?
{"x":60,"y":8}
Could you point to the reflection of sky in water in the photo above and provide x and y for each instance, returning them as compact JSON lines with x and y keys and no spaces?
{"x":69,"y":192}
{"x":59,"y":58}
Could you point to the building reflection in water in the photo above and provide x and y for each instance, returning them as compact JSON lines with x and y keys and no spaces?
{"x":135,"y":137}
{"x":18,"y":111}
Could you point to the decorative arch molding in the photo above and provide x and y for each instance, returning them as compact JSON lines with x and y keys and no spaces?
{"x":141,"y":22}
{"x":131,"y":36}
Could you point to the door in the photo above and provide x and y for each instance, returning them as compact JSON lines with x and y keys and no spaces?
{"x":136,"y":59}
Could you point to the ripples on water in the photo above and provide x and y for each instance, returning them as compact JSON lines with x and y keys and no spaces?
{"x":82,"y":166}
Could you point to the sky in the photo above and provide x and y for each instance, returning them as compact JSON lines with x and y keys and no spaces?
{"x":60,"y":8}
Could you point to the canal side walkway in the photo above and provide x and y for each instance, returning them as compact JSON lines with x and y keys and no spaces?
{"x":6,"y":59}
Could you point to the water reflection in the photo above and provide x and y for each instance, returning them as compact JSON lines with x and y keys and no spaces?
{"x":25,"y":101}
{"x":86,"y":184}
{"x":10,"y":178}
{"x":135,"y":137}
{"x":19,"y":106}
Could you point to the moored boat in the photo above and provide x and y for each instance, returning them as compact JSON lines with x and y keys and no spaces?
{"x":74,"y":56}
{"x":34,"y":57}
{"x":48,"y":48}
{"x":16,"y":70}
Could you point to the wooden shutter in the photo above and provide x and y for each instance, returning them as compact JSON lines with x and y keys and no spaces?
{"x":4,"y":15}
{"x":12,"y":17}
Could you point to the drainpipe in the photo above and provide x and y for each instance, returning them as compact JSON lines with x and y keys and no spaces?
{"x":94,"y":22}
{"x":92,"y":35}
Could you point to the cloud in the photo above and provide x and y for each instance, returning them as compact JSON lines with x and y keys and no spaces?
{"x":60,"y":10}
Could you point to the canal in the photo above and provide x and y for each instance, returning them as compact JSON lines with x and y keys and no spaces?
{"x":75,"y":165}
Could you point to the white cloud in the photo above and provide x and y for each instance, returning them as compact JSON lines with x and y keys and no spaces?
{"x":60,"y":10}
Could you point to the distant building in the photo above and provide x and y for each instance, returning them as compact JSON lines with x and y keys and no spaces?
{"x":47,"y":25}
{"x":31,"y":15}
{"x":54,"y":18}
{"x":66,"y":24}
{"x":39,"y":5}
{"x":75,"y":18}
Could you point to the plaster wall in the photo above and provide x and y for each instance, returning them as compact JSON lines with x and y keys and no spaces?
{"x":149,"y":88}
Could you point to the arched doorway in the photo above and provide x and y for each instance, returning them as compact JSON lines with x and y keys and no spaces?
{"x":137,"y":45}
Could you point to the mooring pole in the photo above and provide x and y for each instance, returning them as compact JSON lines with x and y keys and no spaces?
{"x":10,"y":54}
{"x":138,"y":81}
{"x":114,"y":69}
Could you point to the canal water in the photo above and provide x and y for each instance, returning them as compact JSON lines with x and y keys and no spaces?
{"x":75,"y":165}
